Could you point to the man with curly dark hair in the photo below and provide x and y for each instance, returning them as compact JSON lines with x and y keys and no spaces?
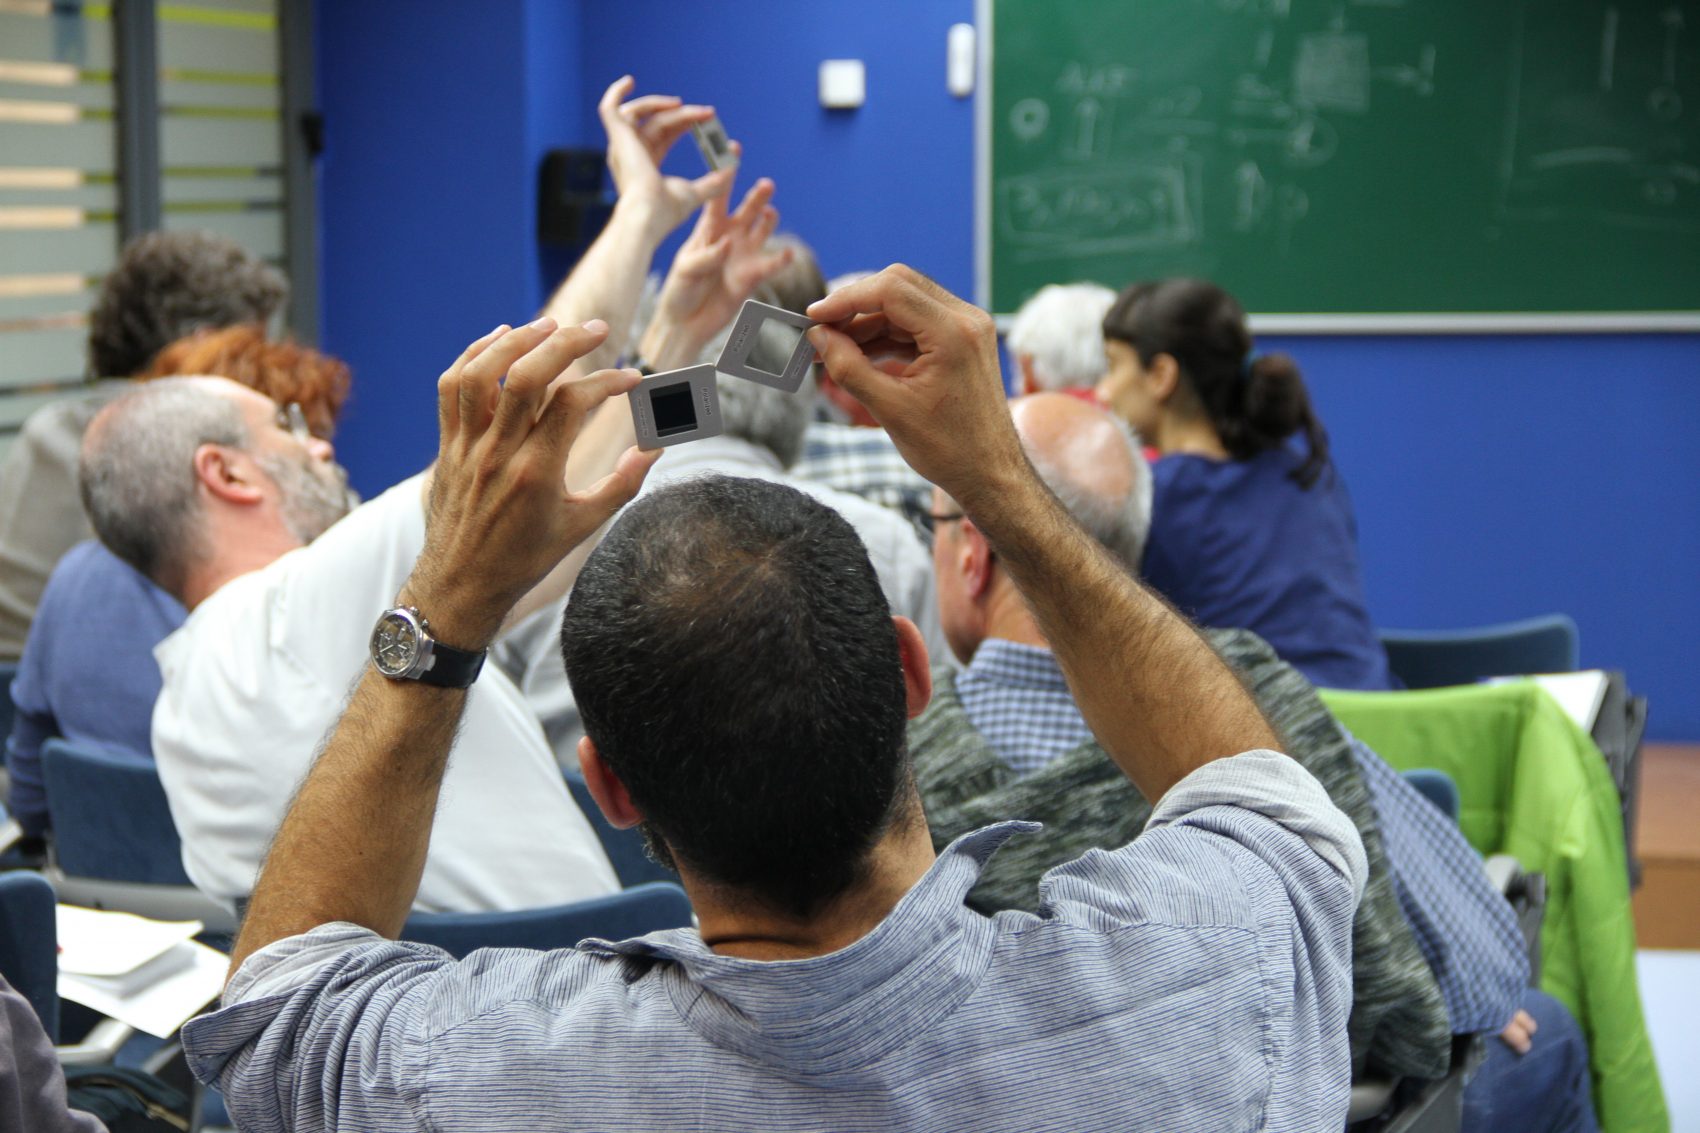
{"x":164,"y":286}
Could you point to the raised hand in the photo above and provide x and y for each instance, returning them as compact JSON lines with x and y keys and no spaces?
{"x":640,"y":132}
{"x":500,"y":515}
{"x":719,"y":266}
{"x":925,"y":364}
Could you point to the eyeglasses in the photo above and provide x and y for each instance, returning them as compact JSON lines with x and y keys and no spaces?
{"x":291,"y":420}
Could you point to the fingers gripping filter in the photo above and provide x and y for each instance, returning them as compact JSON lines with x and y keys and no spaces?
{"x":767,"y":346}
{"x":716,"y":147}
{"x":676,"y":406}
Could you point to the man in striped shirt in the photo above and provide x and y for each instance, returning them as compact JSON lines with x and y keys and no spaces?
{"x":744,"y":690}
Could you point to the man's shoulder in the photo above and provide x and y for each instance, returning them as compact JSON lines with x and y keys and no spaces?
{"x":91,"y":581}
{"x":62,"y":422}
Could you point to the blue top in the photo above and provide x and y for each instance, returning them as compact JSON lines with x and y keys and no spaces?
{"x":87,"y":672}
{"x":1197,"y":979}
{"x":1238,"y":544}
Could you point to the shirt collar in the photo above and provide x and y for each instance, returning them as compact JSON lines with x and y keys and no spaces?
{"x":838,"y":1012}
{"x":1013,"y":664}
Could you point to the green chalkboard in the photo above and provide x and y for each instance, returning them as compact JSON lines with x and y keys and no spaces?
{"x":1348,"y":157}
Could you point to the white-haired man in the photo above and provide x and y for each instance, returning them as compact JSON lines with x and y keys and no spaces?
{"x":1057,"y":338}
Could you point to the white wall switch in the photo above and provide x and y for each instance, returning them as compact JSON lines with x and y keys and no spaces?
{"x":959,"y":60}
{"x":843,"y":84}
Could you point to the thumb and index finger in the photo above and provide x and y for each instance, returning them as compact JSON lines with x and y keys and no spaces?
{"x":895,"y":305}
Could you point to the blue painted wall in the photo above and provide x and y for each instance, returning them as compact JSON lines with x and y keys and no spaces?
{"x":1495,"y":477}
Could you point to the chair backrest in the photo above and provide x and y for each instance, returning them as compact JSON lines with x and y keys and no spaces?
{"x":632,"y":865}
{"x":109,"y":816}
{"x":7,"y":708}
{"x":1438,"y":658}
{"x":631,"y":912}
{"x":29,"y":954}
{"x":1438,"y":788}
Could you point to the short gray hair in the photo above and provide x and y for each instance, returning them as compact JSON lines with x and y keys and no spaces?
{"x":766,"y":417}
{"x":137,"y":472}
{"x":1061,"y":329}
{"x":1119,"y":521}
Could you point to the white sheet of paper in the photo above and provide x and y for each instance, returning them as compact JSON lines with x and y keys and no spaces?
{"x":93,"y":942}
{"x":161,"y":1008}
{"x":1580,"y":694}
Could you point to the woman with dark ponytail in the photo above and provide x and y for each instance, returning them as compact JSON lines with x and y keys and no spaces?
{"x":1251,"y":525}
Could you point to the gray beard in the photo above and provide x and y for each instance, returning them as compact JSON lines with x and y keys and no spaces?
{"x":312,"y":500}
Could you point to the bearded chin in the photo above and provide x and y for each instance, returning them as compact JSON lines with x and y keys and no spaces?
{"x":311,"y":502}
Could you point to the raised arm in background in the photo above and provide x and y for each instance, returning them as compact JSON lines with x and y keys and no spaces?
{"x":925,"y":364}
{"x":608,"y":279}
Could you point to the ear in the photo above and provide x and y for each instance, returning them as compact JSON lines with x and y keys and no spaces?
{"x":606,"y":788}
{"x":1029,"y":384}
{"x":974,"y":559}
{"x":917,"y":667}
{"x":1163,"y":377}
{"x":228,"y":474}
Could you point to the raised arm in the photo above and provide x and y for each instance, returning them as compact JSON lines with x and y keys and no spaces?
{"x":352,"y":846}
{"x":925,"y":364}
{"x":718,"y":267}
{"x":608,"y":279}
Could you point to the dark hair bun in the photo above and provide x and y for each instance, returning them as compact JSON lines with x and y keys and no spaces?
{"x":1276,"y":403}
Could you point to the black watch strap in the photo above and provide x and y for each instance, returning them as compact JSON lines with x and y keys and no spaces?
{"x":451,"y":667}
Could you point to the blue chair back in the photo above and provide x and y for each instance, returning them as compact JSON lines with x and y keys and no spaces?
{"x":632,"y":865}
{"x":1438,"y":788}
{"x":109,"y":817}
{"x":631,"y":912}
{"x":1436,"y":659}
{"x":29,"y":951}
{"x":7,"y":708}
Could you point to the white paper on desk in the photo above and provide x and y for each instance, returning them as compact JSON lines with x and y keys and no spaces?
{"x":93,"y":942}
{"x":1580,"y":694}
{"x":160,"y":1008}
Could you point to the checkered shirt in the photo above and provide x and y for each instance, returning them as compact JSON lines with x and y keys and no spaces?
{"x":1016,"y":697}
{"x":864,"y":462}
{"x":1466,"y":930}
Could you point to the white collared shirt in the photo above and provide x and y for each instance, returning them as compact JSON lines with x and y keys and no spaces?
{"x":258,"y":676}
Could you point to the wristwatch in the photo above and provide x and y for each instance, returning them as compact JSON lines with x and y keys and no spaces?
{"x":404,"y":650}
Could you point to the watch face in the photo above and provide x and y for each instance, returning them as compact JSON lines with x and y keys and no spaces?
{"x":395,"y":644}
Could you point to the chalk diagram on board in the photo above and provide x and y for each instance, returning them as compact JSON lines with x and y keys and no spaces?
{"x":1138,"y":158}
{"x":1618,"y":132}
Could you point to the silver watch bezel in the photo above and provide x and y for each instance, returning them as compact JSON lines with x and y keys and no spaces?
{"x":422,"y":641}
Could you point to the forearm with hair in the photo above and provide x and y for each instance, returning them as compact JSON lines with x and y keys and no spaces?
{"x":607,"y":282}
{"x":352,"y":845}
{"x":1155,"y":695}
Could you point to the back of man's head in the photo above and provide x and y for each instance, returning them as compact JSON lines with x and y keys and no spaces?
{"x":1061,"y":329}
{"x":137,"y":472}
{"x":799,"y":284}
{"x":1091,"y":462}
{"x":169,"y":284}
{"x":736,"y":666}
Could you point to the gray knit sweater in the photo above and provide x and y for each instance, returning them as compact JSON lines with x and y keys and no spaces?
{"x":1398,"y":1025}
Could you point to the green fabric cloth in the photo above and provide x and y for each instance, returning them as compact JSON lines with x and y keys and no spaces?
{"x":1398,"y":1024}
{"x":1533,"y":785}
